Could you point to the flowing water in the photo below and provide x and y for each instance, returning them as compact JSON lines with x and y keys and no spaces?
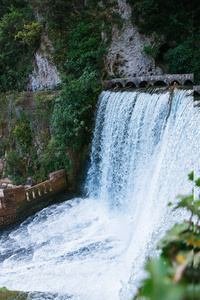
{"x":94,"y":248}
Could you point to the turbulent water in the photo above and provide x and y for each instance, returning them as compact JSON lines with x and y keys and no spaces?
{"x":94,"y":248}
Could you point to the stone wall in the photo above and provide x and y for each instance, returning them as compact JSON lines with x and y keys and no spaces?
{"x":197,"y":89}
{"x":58,"y":178}
{"x":180,"y":79}
{"x":18,"y":199}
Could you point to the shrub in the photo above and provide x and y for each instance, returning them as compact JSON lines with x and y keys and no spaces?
{"x":15,"y":166}
{"x":23,"y":132}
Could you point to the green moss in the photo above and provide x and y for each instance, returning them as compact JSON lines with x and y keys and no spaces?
{"x":5,"y":294}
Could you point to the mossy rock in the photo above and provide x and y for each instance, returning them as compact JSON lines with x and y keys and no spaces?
{"x":12,"y":295}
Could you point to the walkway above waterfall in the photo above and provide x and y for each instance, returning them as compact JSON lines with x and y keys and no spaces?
{"x":196,"y":89}
{"x":158,"y":80}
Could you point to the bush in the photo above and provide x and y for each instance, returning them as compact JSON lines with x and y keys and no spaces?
{"x":23,"y":133}
{"x":72,"y":112}
{"x":19,"y":39}
{"x":30,"y":35}
{"x":15,"y":166}
{"x":179,"y":28}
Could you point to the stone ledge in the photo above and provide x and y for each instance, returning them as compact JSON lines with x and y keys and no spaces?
{"x":17,"y":201}
{"x":196,"y":89}
{"x":158,"y":80}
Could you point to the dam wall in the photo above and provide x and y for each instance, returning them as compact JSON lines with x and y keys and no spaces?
{"x":158,"y":80}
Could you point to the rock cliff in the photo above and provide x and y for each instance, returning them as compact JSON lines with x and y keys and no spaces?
{"x":125,"y":56}
{"x":45,"y":75}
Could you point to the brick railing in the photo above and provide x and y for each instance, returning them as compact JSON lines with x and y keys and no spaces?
{"x":2,"y":203}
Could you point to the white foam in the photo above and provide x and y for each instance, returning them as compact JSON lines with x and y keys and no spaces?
{"x":95,"y":248}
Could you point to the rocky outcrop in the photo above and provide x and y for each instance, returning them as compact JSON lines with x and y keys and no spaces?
{"x":125,"y":56}
{"x":45,"y":75}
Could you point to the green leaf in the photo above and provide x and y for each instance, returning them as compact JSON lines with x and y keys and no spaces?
{"x":174,"y":235}
{"x":3,"y":289}
{"x":197,"y":182}
{"x":191,"y":176}
{"x":160,"y":286}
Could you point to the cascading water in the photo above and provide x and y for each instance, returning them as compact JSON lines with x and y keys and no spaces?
{"x":95,"y":248}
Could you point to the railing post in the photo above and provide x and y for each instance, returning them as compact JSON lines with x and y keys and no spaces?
{"x":50,"y":186}
{"x":27,"y":196}
{"x":45,"y":189}
{"x":33,"y":193}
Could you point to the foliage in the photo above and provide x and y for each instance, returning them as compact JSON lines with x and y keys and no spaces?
{"x":54,"y":158}
{"x":175,"y":275}
{"x":15,"y":166}
{"x":180,"y":28}
{"x":5,"y":294}
{"x":30,"y":35}
{"x":4,"y":108}
{"x":19,"y":39}
{"x":3,"y":289}
{"x":75,"y":28}
{"x":74,"y":107}
{"x":184,"y":59}
{"x":23,"y":132}
{"x":151,"y":51}
{"x":83,"y":50}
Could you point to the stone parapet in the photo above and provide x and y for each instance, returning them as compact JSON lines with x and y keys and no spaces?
{"x":58,"y":178}
{"x":18,"y":199}
{"x":196,"y":89}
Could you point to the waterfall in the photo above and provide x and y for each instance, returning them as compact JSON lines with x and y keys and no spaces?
{"x":144,"y":146}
